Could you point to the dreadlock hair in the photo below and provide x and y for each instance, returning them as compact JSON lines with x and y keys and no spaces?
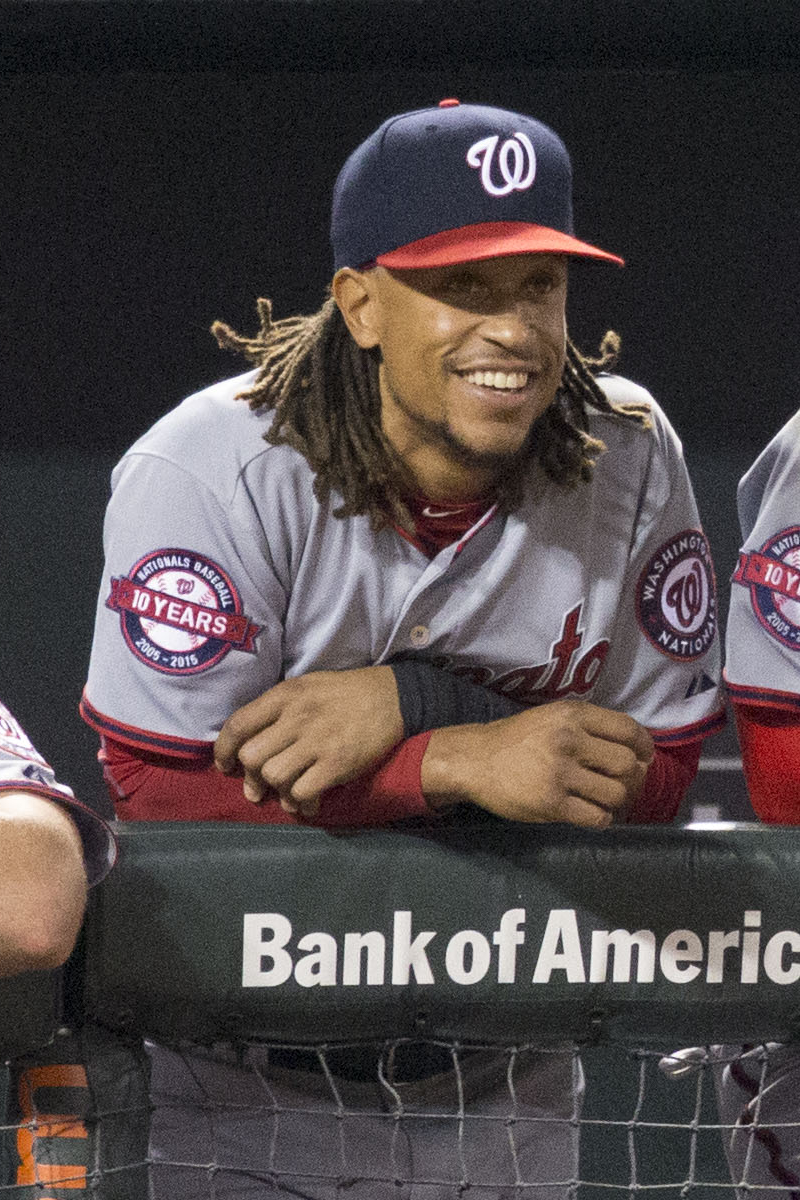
{"x":323,"y":389}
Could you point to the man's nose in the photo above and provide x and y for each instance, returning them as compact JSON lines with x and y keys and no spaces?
{"x":509,"y":325}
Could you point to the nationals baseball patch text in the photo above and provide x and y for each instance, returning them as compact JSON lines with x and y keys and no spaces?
{"x":180,"y":612}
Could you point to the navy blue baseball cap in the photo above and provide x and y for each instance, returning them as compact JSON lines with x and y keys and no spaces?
{"x":455,"y":183}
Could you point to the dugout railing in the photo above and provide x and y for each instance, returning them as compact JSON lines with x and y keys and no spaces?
{"x":639,"y":939}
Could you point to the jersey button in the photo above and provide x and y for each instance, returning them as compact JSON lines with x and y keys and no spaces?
{"x":420,"y":635}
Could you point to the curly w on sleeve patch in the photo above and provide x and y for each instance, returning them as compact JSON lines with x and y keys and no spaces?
{"x":773,"y":576}
{"x":180,"y":612}
{"x":676,"y":599}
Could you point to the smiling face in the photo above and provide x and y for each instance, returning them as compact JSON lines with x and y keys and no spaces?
{"x":471,"y":355}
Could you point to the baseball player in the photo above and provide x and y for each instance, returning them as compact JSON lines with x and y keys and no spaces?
{"x":51,"y":846}
{"x":758,"y":1089}
{"x":329,"y":580}
{"x":763,"y":636}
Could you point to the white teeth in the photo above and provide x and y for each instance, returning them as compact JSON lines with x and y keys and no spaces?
{"x":510,"y":381}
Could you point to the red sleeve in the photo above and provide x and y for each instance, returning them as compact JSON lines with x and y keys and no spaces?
{"x":156,"y":787}
{"x":770,"y":743}
{"x":150,"y":787}
{"x":668,"y":777}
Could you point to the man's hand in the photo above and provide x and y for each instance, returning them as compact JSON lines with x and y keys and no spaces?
{"x":311,"y":733}
{"x":566,"y":761}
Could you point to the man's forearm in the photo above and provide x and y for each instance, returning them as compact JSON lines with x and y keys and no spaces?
{"x":42,"y":883}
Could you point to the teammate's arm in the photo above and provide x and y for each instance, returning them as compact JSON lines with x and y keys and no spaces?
{"x":52,"y":848}
{"x":769,"y":738}
{"x":42,"y":882}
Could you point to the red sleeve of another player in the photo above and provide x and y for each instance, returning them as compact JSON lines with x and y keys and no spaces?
{"x":668,"y":777}
{"x":155,"y":787}
{"x":770,"y":742}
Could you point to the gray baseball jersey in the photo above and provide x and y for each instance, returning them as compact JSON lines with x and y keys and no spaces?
{"x":224,"y":574}
{"x":22,"y":768}
{"x":763,"y":633}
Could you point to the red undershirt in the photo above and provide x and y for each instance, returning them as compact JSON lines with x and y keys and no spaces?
{"x":157,"y":787}
{"x":146,"y":786}
{"x":770,"y":742}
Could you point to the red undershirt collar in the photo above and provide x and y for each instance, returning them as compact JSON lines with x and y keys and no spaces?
{"x":438,"y":524}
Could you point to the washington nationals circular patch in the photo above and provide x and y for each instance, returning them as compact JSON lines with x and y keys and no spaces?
{"x":676,"y":601}
{"x":180,"y":612}
{"x":773,"y":576}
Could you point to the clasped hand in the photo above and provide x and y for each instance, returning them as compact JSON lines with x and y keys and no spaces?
{"x":311,"y":733}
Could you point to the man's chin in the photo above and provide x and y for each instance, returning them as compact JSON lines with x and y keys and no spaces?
{"x":495,"y":458}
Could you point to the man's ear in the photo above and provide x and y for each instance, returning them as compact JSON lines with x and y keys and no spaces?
{"x":355,"y":292}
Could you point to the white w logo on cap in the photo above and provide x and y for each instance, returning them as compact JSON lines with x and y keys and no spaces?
{"x":516,"y":163}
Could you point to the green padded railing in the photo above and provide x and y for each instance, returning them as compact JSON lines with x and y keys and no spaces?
{"x":485,"y":932}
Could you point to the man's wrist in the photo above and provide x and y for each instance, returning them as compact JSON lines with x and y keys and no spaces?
{"x":445,"y":772}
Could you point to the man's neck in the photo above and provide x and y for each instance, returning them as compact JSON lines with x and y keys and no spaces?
{"x":442,"y":481}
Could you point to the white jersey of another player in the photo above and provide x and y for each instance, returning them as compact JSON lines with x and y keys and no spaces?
{"x":224,"y":574}
{"x":22,"y":769}
{"x":763,"y":634}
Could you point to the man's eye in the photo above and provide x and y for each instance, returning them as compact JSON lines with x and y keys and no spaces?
{"x":464,"y":288}
{"x":543,"y":285}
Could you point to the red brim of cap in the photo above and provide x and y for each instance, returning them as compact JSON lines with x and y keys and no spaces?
{"x":490,"y":240}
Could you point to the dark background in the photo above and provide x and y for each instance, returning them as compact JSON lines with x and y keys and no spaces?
{"x":165,"y":163}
